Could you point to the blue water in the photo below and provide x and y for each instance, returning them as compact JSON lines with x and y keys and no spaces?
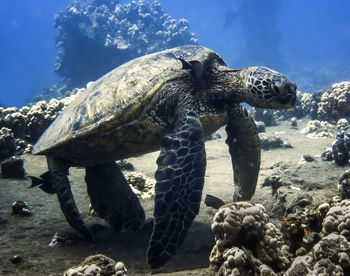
{"x":296,"y":37}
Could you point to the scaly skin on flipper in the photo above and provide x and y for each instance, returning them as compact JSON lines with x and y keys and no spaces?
{"x":180,"y":179}
{"x":58,"y":175}
{"x":244,"y":147}
{"x":112,"y":197}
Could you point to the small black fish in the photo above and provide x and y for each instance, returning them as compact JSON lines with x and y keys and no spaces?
{"x":43,"y":182}
{"x":213,"y":201}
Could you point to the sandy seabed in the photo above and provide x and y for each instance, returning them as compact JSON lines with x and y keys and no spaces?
{"x":30,"y":236}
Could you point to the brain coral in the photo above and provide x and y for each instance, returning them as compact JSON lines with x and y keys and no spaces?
{"x":337,"y":219}
{"x":243,"y":227}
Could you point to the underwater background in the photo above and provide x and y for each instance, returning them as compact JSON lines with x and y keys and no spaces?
{"x":298,"y":220}
{"x":307,"y":40}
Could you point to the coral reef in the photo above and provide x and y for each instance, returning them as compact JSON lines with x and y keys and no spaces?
{"x":248,"y":244}
{"x":12,"y":168}
{"x":318,"y":129}
{"x":7,"y":143}
{"x":271,"y":250}
{"x":272,"y":142}
{"x":335,"y":103}
{"x":342,"y":124}
{"x":341,"y":144}
{"x":330,"y":256}
{"x":337,"y":219}
{"x":242,"y":262}
{"x":98,"y":265}
{"x":245,"y":240}
{"x":294,"y":231}
{"x":20,"y":128}
{"x":112,"y":34}
{"x":344,"y":185}
{"x":140,"y":184}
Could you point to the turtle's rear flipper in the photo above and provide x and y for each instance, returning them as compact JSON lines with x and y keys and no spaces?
{"x":180,"y":178}
{"x":58,"y":175}
{"x":112,"y":197}
{"x":244,"y":147}
{"x":44,"y":183}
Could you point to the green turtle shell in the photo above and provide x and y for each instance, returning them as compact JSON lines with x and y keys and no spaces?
{"x":116,"y":99}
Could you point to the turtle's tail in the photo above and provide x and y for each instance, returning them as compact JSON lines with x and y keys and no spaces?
{"x":44,"y":183}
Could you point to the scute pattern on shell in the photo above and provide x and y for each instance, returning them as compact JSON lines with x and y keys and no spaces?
{"x":118,"y":97}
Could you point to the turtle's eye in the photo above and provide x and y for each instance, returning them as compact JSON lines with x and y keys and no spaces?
{"x":275,"y":90}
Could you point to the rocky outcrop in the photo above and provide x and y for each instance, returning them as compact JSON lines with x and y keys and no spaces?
{"x":248,"y":244}
{"x":97,"y":36}
{"x":22,"y":127}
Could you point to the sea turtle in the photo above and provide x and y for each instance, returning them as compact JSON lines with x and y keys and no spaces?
{"x":167,"y":100}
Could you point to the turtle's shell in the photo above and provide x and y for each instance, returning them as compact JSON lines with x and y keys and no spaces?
{"x":118,"y":97}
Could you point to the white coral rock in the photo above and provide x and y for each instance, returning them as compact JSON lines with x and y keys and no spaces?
{"x":120,"y":269}
{"x":140,"y":184}
{"x":86,"y":270}
{"x":318,"y":129}
{"x":242,"y":218}
{"x":334,"y":247}
{"x":271,"y":250}
{"x":338,"y":219}
{"x":301,"y":266}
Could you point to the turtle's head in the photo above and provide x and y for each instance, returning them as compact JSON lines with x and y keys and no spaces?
{"x":265,"y":88}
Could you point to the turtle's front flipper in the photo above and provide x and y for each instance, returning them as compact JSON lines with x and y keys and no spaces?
{"x":58,"y":175}
{"x":244,"y":146}
{"x":180,"y":178}
{"x":112,"y":197}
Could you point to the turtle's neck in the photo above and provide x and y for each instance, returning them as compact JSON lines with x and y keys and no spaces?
{"x":225,"y":85}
